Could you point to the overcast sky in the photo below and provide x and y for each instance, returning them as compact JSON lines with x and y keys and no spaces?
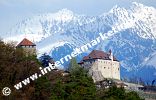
{"x":14,"y":11}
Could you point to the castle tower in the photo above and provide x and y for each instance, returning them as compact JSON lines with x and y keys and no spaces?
{"x":111,"y":55}
{"x":28,"y":47}
{"x":111,"y":58}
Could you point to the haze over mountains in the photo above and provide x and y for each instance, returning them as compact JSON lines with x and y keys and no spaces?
{"x":131,"y":34}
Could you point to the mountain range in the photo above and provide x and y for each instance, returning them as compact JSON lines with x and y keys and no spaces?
{"x":130,"y":32}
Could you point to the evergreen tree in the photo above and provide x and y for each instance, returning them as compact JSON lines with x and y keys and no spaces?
{"x":45,"y":60}
{"x":78,"y":86}
{"x":114,"y":93}
{"x":42,"y":88}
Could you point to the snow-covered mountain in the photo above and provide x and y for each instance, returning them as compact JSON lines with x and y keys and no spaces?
{"x":131,"y":34}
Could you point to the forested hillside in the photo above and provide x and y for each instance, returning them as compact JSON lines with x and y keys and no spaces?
{"x":15,"y":66}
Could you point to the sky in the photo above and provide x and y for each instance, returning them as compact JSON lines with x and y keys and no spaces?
{"x":14,"y":11}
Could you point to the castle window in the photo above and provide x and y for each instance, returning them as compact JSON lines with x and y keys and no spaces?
{"x":104,"y":67}
{"x":118,"y":68}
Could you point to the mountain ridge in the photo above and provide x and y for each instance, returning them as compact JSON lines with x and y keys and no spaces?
{"x":130,"y":33}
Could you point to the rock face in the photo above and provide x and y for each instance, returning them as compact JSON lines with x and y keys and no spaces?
{"x":131,"y":34}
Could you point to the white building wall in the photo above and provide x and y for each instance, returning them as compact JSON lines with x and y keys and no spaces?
{"x":105,"y":68}
{"x":116,"y":70}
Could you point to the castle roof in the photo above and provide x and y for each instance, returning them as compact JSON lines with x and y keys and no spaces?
{"x":26,"y":42}
{"x":97,"y":54}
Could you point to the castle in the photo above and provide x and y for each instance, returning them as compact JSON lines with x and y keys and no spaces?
{"x":101,"y":65}
{"x":28,"y":47}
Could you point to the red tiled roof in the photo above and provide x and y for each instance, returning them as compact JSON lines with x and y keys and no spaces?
{"x":26,"y":42}
{"x":97,"y":54}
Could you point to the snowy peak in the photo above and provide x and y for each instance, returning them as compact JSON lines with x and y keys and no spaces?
{"x":64,"y":15}
{"x":116,"y":9}
{"x":138,"y":17}
{"x":137,"y":5}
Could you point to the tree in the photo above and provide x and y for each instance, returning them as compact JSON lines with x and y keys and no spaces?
{"x":78,"y":86}
{"x":75,"y":69}
{"x":45,"y":60}
{"x":42,"y":88}
{"x":114,"y":93}
{"x":132,"y":96}
{"x":15,"y":66}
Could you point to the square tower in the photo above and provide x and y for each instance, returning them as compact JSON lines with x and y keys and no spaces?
{"x":28,"y":46}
